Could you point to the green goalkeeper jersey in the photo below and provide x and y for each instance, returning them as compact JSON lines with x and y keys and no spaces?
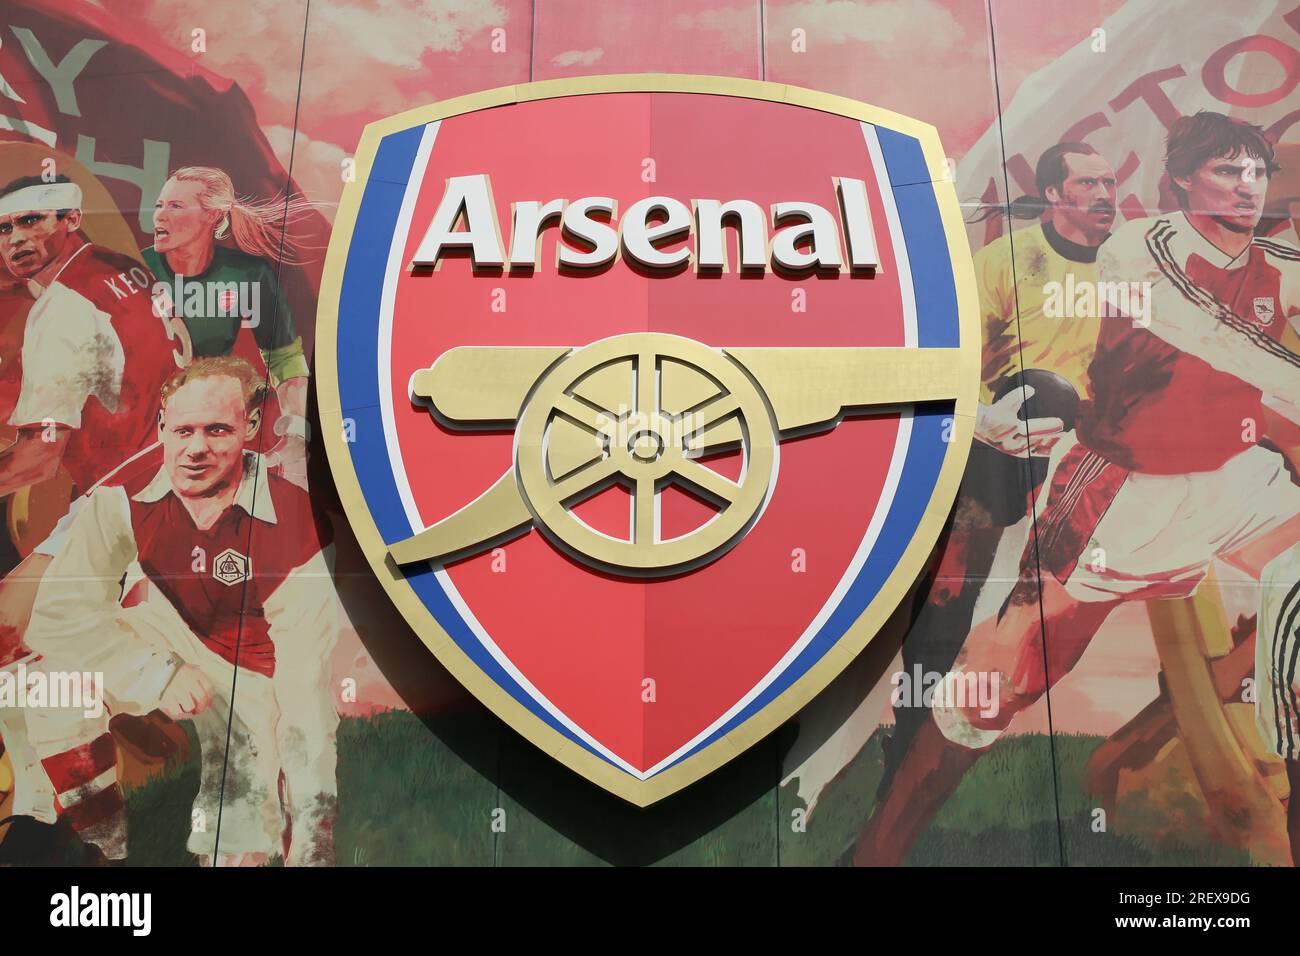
{"x":235,"y":290}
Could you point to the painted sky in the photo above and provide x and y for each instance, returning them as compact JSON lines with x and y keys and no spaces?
{"x":366,"y":59}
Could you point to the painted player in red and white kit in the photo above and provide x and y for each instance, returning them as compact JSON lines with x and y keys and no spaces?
{"x":1166,"y":473}
{"x":81,"y":394}
{"x":1277,"y":690}
{"x":94,"y":352}
{"x":237,"y":609}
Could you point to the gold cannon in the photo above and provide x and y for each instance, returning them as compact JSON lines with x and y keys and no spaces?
{"x":642,"y":409}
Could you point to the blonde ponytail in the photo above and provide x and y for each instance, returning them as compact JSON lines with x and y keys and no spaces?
{"x":261,"y":228}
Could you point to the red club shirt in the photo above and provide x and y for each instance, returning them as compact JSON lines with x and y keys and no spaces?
{"x":1179,"y":385}
{"x":261,"y":560}
{"x":93,"y":358}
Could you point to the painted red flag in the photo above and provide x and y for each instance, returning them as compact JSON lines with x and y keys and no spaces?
{"x":132,"y":109}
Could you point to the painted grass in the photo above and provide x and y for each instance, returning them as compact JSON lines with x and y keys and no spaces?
{"x":412,"y":796}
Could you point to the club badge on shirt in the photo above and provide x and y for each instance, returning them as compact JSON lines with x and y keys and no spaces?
{"x":231,"y":567}
{"x":1264,"y":309}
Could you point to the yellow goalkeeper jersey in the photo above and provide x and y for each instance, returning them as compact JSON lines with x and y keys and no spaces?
{"x":1050,"y":276}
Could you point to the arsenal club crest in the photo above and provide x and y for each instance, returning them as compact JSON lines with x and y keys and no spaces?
{"x":1265,"y":310}
{"x":647,"y":398}
{"x":230,"y":567}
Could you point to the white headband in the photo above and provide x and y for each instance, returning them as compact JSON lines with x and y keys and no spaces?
{"x":40,"y":198}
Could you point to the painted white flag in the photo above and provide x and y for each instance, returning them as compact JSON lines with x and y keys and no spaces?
{"x":1120,"y":88}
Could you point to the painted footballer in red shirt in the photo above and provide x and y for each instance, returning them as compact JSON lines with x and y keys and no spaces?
{"x":84,"y":357}
{"x":1167,"y":473}
{"x":236,"y":633}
